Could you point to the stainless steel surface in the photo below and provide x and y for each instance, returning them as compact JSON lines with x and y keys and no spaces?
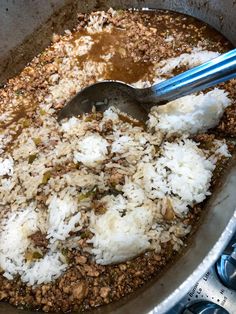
{"x":102,"y":95}
{"x":212,"y":294}
{"x":219,"y":221}
{"x":208,"y":288}
{"x":226,"y":269}
{"x":205,"y":307}
{"x":138,"y":101}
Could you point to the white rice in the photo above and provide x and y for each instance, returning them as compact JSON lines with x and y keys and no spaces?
{"x":221,"y":148}
{"x":80,"y":46}
{"x":97,"y":21}
{"x":92,"y":150}
{"x":49,"y":268}
{"x":134,"y":193}
{"x":188,"y":60}
{"x":6,"y":166}
{"x":71,"y":123}
{"x":15,"y":230}
{"x":182,"y":171}
{"x":190,"y":114}
{"x":110,"y":114}
{"x":119,"y":238}
{"x":62,"y":218}
{"x":122,"y":144}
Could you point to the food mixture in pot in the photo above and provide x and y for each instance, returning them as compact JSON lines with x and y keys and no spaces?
{"x":94,"y":206}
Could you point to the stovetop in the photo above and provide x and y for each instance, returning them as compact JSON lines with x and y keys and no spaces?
{"x":215,"y":293}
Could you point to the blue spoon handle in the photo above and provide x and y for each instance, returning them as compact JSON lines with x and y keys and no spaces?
{"x":218,"y":70}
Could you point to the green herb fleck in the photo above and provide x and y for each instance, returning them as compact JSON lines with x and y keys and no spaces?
{"x":30,"y":256}
{"x":37,"y":255}
{"x":83,"y":196}
{"x":78,"y":165}
{"x":46,"y":177}
{"x":101,"y":210}
{"x":157,"y":148}
{"x":19,"y":92}
{"x":37,"y":140}
{"x":32,"y":158}
{"x":42,"y":112}
{"x":85,"y":234}
{"x":26,"y":123}
{"x":64,"y":252}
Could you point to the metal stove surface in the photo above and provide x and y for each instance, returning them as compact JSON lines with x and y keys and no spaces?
{"x":215,"y":293}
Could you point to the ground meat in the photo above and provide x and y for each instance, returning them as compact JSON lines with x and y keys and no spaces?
{"x":80,"y":291}
{"x":205,"y":140}
{"x":107,"y":127}
{"x":227,"y":125}
{"x":39,"y":239}
{"x":80,"y":259}
{"x":116,"y":177}
{"x":99,"y":207}
{"x":104,"y":291}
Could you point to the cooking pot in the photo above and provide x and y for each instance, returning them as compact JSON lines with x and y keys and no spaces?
{"x":26,"y":28}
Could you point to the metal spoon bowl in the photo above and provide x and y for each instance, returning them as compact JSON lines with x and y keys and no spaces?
{"x":137,"y":102}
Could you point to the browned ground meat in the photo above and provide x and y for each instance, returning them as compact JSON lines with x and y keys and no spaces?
{"x":39,"y":239}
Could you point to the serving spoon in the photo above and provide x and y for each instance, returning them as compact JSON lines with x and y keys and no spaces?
{"x":137,"y":102}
